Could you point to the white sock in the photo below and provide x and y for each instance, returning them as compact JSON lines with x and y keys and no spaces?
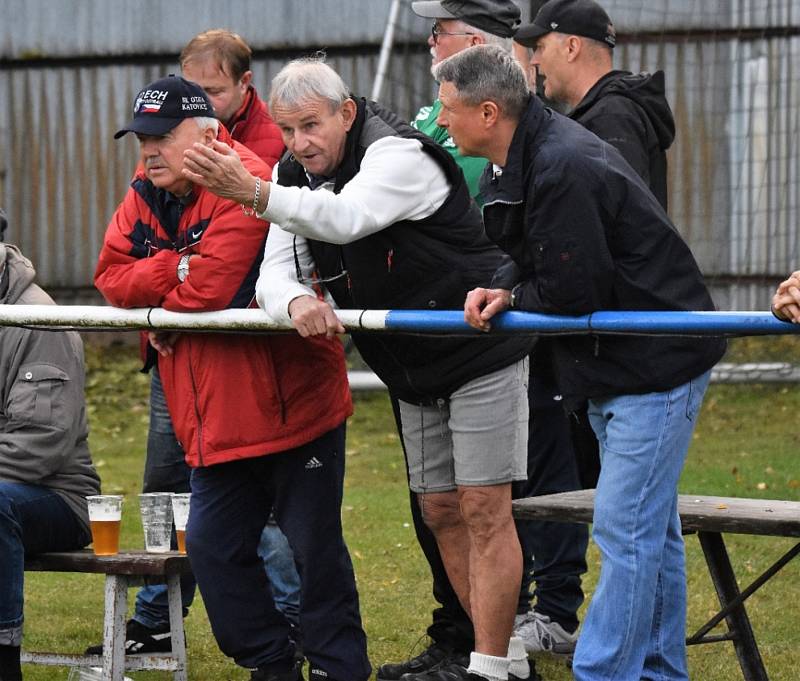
{"x":488,"y":666}
{"x":518,"y":658}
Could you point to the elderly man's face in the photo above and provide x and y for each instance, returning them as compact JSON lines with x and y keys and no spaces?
{"x":448,"y":37}
{"x":162,"y":156}
{"x":315,"y":133}
{"x":462,"y":121}
{"x":226,"y":95}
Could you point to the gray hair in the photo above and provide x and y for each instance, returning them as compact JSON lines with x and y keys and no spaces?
{"x":204,"y":122}
{"x":307,"y":79}
{"x":486,"y":73}
{"x":488,"y":38}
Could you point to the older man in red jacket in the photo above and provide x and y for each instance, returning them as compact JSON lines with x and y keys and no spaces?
{"x":251,"y":412}
{"x":219,"y":62}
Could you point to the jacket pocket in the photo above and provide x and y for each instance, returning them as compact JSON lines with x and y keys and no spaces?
{"x":37,"y":396}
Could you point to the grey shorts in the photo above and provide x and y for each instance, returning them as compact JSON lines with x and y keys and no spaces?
{"x":477,"y":437}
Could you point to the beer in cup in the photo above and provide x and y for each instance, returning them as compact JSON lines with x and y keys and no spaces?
{"x":105,"y":514}
{"x":180,"y":513}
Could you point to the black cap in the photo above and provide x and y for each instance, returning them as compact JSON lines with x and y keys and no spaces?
{"x":574,"y":17}
{"x":498,"y":17}
{"x":162,"y":105}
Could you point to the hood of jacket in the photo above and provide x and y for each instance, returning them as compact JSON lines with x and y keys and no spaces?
{"x":646,"y":89}
{"x":17,"y":275}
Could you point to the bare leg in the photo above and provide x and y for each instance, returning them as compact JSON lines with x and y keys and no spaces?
{"x":442,"y":515}
{"x":495,"y":565}
{"x":481,"y":553}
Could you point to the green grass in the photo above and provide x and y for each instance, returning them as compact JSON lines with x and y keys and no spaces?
{"x":746,"y":445}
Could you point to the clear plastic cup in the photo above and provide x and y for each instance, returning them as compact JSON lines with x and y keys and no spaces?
{"x":156,"y":510}
{"x":105,"y":514}
{"x":180,"y":513}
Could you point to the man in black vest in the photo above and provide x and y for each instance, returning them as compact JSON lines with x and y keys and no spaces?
{"x":381,"y":216}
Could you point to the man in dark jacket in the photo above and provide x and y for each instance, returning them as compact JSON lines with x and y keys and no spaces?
{"x":381,"y":215}
{"x":586,"y":234}
{"x":45,"y":469}
{"x":572,"y":43}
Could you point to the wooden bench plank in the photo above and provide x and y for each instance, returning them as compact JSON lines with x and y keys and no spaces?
{"x":123,"y":563}
{"x":771,"y":517}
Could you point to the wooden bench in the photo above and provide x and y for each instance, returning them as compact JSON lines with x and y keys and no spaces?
{"x":709,"y":517}
{"x":124,"y":570}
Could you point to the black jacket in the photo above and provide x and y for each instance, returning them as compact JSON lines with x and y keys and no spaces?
{"x":585,"y":234}
{"x":631,"y":113}
{"x":425,"y":264}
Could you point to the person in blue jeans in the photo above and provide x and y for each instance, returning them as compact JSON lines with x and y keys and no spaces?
{"x":166,"y":470}
{"x":584,"y":233}
{"x":46,"y":472}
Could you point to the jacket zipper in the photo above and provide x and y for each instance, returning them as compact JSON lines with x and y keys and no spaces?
{"x":195,"y":403}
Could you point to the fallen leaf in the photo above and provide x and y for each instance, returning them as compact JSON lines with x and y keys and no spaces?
{"x":761,"y":485}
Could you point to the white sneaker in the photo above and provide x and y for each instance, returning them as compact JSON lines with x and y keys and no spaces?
{"x":540,"y":635}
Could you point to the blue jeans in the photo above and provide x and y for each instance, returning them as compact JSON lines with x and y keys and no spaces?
{"x":166,"y":470}
{"x":284,"y":582}
{"x":33,"y":519}
{"x":636,"y":624}
{"x":231,"y":503}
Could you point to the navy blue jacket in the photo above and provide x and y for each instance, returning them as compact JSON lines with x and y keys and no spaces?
{"x":585,"y":234}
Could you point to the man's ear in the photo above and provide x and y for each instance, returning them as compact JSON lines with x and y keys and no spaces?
{"x":208,"y":136}
{"x":348,"y":112}
{"x":490,"y":113}
{"x":246,"y":79}
{"x":574,"y":45}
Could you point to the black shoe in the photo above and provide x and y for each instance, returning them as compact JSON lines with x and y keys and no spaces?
{"x":265,"y":674}
{"x":141,"y":639}
{"x":458,"y":672}
{"x":430,"y":658}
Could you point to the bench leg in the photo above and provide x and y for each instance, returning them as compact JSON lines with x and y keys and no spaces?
{"x":744,"y":641}
{"x":176,"y":626}
{"x":116,"y":605}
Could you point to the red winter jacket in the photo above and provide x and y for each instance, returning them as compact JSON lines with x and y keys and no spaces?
{"x":231,"y":396}
{"x":253,"y":126}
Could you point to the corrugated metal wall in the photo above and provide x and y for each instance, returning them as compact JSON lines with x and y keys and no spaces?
{"x":68,"y":72}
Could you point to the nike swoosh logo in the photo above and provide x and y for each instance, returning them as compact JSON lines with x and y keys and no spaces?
{"x":196,"y":235}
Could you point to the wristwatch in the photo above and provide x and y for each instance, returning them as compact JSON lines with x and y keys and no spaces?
{"x":513,"y":297}
{"x":183,"y":267}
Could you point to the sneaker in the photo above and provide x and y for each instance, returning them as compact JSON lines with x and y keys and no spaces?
{"x":541,"y":635}
{"x":458,"y":672}
{"x":141,"y":639}
{"x":264,"y":674}
{"x":430,"y":658}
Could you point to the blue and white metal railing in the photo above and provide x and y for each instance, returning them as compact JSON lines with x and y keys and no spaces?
{"x":87,"y":317}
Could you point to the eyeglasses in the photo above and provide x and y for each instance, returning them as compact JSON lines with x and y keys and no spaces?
{"x":314,"y":281}
{"x":436,"y":31}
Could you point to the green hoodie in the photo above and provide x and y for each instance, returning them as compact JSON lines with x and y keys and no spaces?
{"x":43,"y":427}
{"x":471,"y":166}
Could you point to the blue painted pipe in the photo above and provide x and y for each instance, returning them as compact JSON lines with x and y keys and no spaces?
{"x":607,"y":322}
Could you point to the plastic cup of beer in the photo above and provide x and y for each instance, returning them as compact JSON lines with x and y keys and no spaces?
{"x":180,"y":513}
{"x":156,"y":509}
{"x":105,"y":514}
